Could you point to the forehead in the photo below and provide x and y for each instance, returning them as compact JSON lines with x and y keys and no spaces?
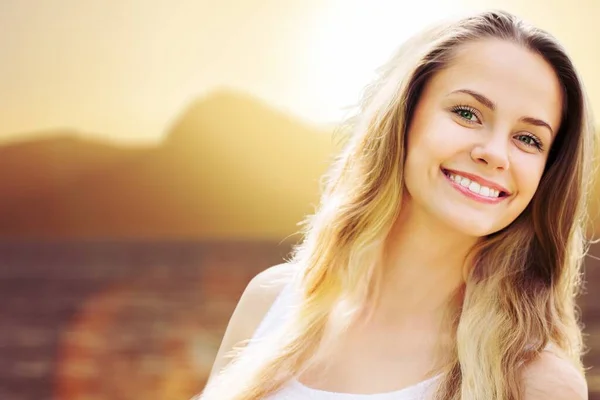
{"x":518,"y":80}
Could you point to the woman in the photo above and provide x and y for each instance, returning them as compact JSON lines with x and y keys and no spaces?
{"x":445,"y":256}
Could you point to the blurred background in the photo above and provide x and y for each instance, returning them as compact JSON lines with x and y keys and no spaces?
{"x":155,"y":155}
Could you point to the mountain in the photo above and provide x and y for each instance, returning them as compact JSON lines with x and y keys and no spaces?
{"x":34,"y":167}
{"x":231,"y":166}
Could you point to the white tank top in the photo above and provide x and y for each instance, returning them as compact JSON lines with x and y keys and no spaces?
{"x":294,"y":390}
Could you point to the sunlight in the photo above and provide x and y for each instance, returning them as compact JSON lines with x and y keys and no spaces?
{"x":354,"y":38}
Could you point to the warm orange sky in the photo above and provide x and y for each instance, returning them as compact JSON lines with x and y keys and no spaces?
{"x":124,"y":69}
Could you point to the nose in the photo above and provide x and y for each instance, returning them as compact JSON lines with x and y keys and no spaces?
{"x":492,"y":152}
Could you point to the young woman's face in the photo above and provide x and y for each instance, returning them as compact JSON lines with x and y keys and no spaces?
{"x":480,"y":136}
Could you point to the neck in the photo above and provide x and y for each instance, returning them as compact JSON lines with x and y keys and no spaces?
{"x":423,"y":261}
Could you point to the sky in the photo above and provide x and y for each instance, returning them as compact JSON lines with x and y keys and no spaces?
{"x":123,"y":70}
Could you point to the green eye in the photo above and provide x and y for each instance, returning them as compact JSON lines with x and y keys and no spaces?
{"x":531,"y":141}
{"x":527,"y":140}
{"x":466,"y":113}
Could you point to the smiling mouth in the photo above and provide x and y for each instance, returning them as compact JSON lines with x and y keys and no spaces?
{"x":469,"y":186}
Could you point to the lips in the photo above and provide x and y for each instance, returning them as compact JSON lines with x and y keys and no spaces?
{"x":476,"y":196}
{"x":483,"y":182}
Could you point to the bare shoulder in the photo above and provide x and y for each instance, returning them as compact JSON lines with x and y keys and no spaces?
{"x":264,"y":288}
{"x":258,"y":297}
{"x":553,"y":377}
{"x":256,"y":300}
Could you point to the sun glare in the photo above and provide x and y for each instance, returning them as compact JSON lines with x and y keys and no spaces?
{"x":353,"y":38}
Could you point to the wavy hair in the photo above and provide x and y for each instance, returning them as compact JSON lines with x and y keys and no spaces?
{"x":522,"y":281}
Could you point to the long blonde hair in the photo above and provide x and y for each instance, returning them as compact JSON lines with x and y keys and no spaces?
{"x":519,"y":293}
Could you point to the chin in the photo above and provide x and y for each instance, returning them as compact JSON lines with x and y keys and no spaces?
{"x":476,"y":227}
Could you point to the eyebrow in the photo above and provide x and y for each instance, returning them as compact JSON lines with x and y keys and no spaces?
{"x":492,"y":106}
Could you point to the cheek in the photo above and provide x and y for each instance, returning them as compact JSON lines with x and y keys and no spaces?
{"x":528,"y":177}
{"x":434,"y":131}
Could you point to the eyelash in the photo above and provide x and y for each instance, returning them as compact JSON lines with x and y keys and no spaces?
{"x":457,"y":109}
{"x":537,"y":143}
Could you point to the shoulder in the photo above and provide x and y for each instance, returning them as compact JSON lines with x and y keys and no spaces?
{"x":553,"y":377}
{"x":264,"y":288}
{"x":255,"y":302}
{"x":257,"y":299}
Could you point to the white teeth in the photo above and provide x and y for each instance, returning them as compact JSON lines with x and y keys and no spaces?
{"x":474,"y":186}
